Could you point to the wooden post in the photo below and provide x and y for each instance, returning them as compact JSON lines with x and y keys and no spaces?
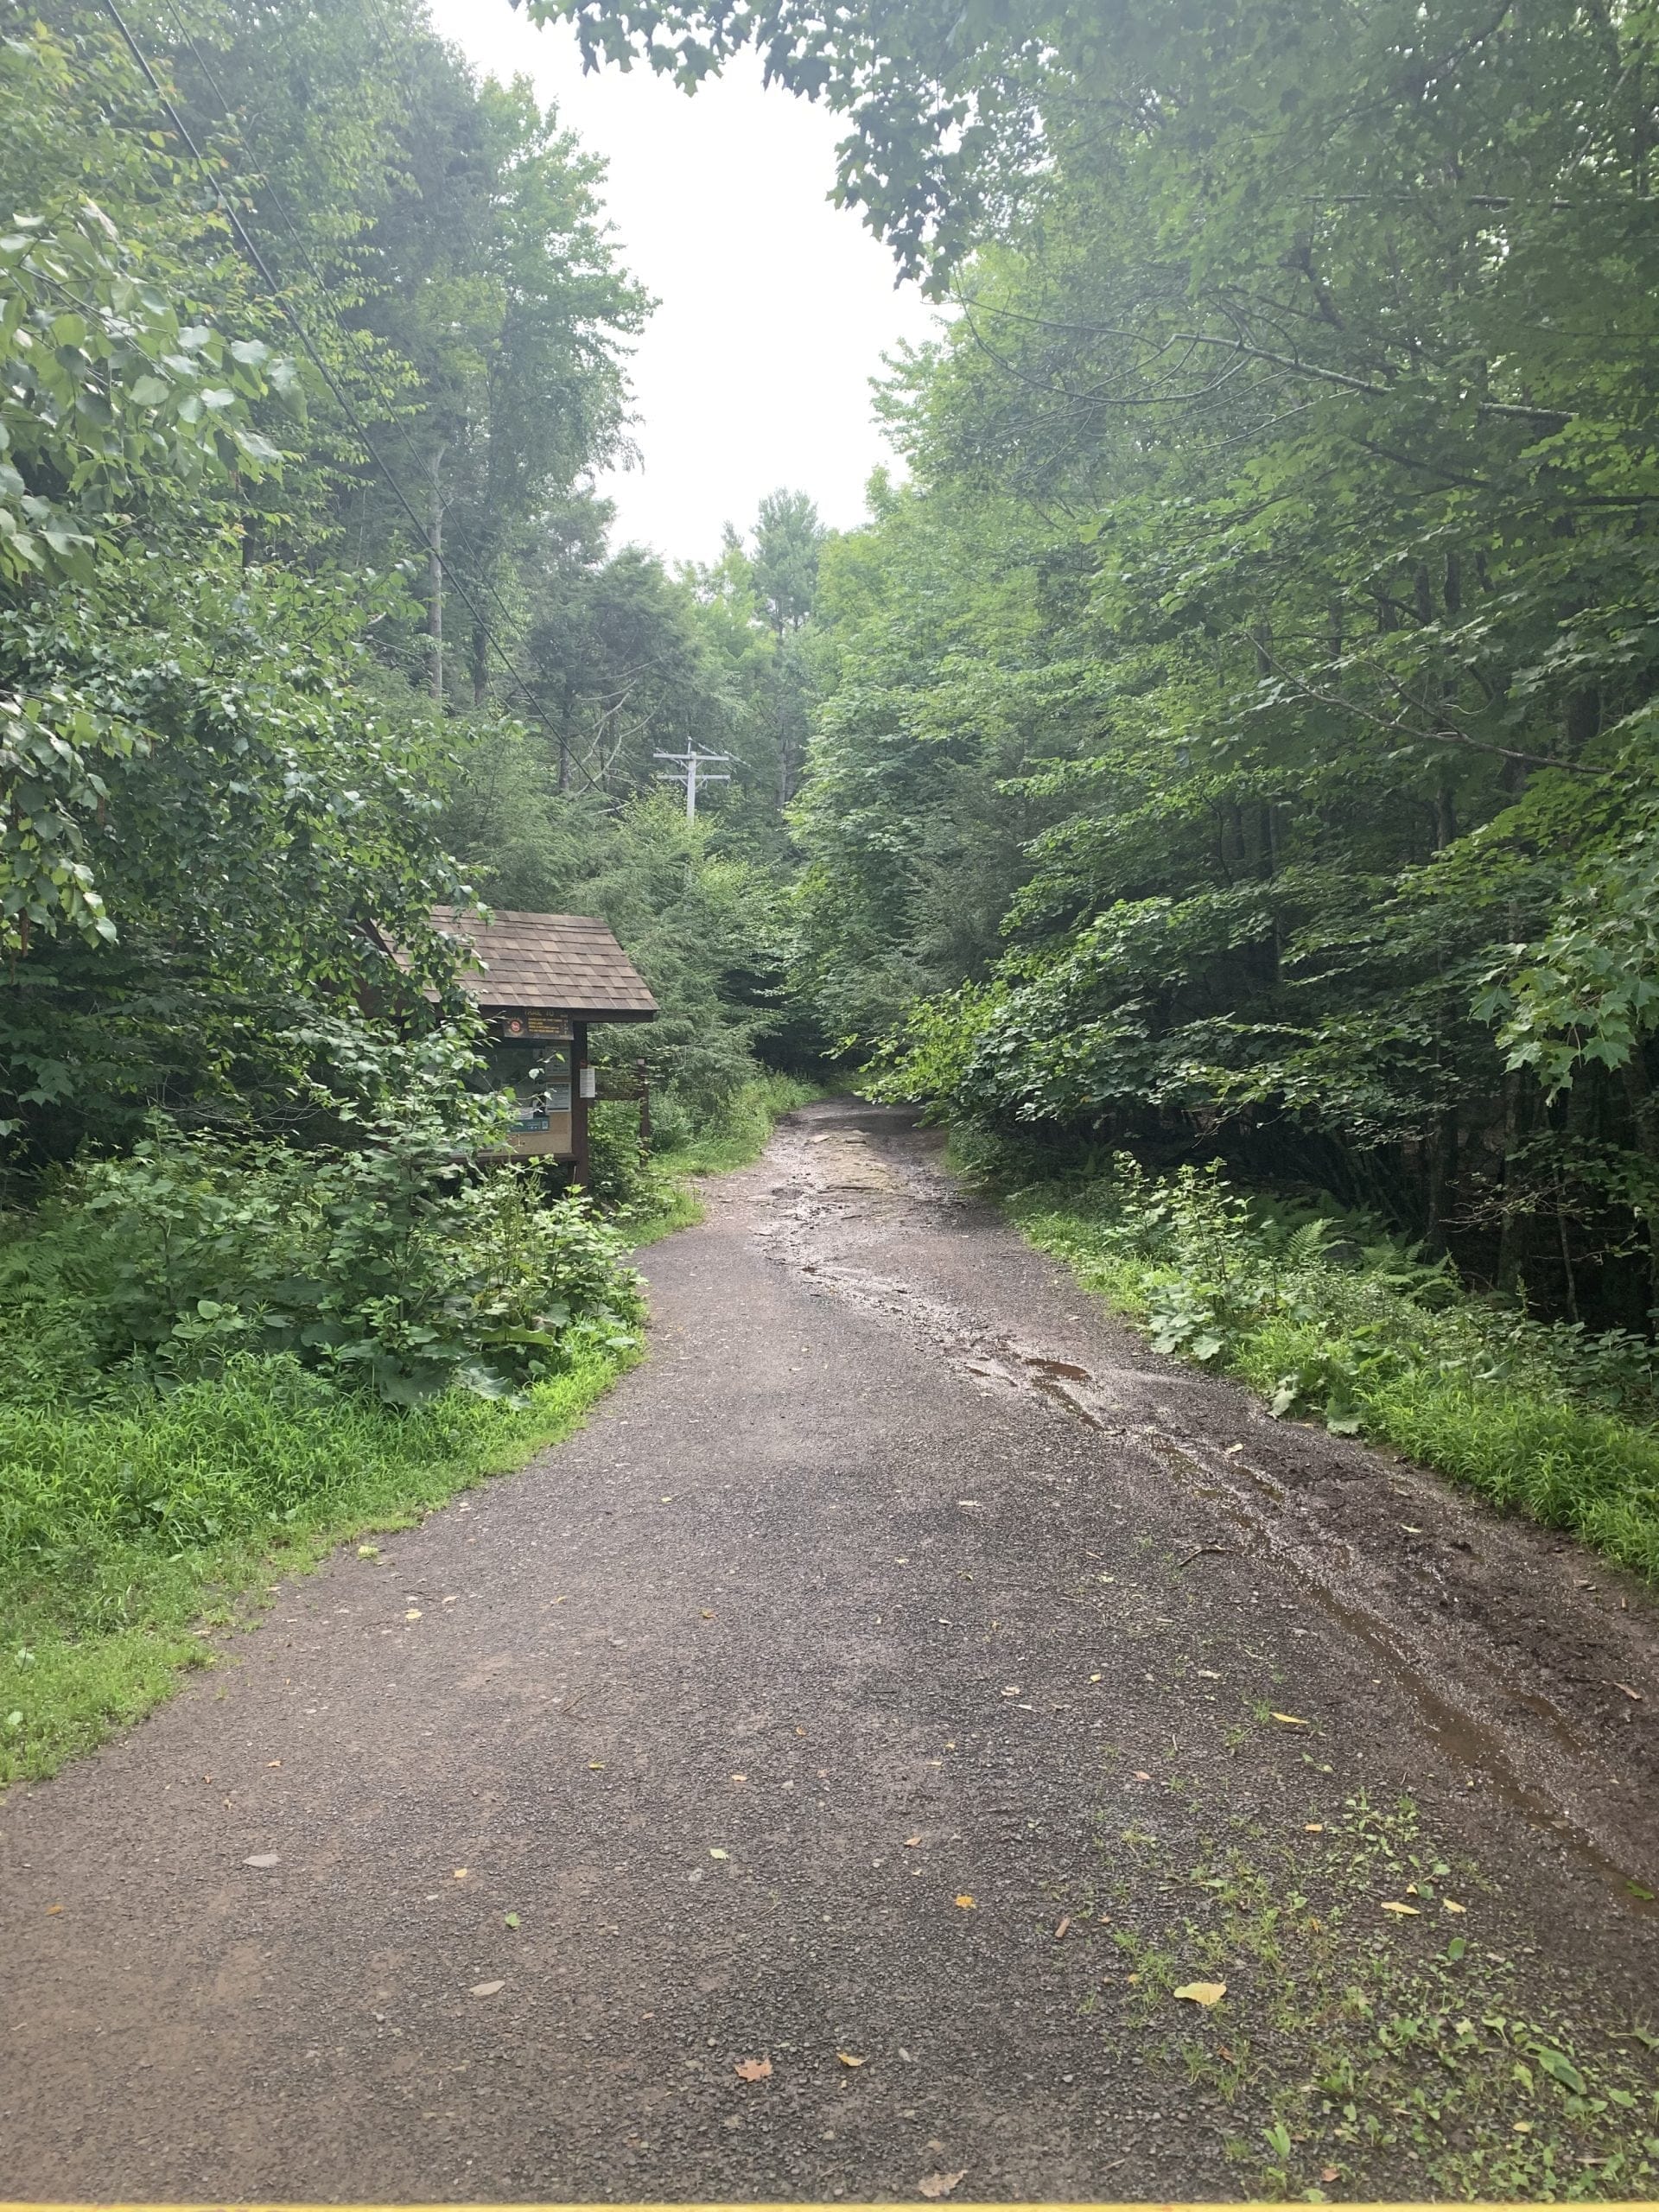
{"x":645,"y":1112}
{"x":582,"y":1166}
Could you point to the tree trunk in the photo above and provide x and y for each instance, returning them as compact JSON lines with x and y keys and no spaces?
{"x":1644,"y":1114}
{"x":435,"y":579}
{"x":1515,"y":1232}
{"x":1442,"y":1179}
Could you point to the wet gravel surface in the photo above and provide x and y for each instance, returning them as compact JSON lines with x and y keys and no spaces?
{"x":786,"y":1713}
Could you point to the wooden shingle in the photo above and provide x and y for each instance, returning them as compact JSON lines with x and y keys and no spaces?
{"x":566,"y":962}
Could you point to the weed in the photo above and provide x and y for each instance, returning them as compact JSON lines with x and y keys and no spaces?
{"x":128,"y":1527}
{"x":1360,"y":1337}
{"x":1388,"y":2061}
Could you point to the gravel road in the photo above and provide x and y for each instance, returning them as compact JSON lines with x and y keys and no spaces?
{"x":858,"y":1694}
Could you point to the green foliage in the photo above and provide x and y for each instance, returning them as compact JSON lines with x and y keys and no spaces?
{"x":1238,"y":732}
{"x":220,"y":743}
{"x":124,"y":1520}
{"x":397,"y":1267}
{"x":740,"y":1132}
{"x":1332,"y":1321}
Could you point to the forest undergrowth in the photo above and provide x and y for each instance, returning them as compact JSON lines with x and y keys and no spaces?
{"x":1334,"y":1321}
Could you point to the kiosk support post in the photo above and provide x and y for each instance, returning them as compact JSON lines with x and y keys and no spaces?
{"x":581,"y":1155}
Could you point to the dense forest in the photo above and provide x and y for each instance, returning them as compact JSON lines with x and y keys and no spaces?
{"x":1240,"y":733}
{"x":314,"y":345}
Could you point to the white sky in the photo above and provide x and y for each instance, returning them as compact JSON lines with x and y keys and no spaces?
{"x":776,"y":307}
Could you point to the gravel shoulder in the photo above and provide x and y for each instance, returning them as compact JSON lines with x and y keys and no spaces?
{"x":906,"y":1678}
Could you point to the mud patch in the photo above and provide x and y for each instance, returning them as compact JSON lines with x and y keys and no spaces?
{"x":1475,"y":1618}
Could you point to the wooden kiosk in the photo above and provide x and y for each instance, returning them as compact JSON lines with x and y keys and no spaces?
{"x":541,"y":978}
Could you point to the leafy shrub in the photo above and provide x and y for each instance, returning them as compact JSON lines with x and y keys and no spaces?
{"x":403,"y":1267}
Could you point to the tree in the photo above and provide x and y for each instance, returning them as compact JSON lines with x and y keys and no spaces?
{"x":223,"y":792}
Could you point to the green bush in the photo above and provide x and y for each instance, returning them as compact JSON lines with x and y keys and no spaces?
{"x":403,"y":1267}
{"x":1332,"y":1321}
{"x":738,"y":1131}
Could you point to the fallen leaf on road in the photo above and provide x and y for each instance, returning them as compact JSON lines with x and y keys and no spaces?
{"x":1140,"y":1775}
{"x":1203,"y":1992}
{"x":413,"y":1614}
{"x":510,"y":1920}
{"x":1208,"y":1675}
{"x":1521,"y":2128}
{"x":967,"y":1903}
{"x":461,"y":1872}
{"x":1096,"y":1678}
{"x":936,"y":2185}
{"x":368,"y":1551}
{"x":1410,"y":1911}
{"x":1290,"y":1721}
{"x":51,"y":1909}
{"x":911,"y":1842}
{"x":753,"y":2069}
{"x":848,"y":2059}
{"x":1451,"y":1907}
{"x":822,"y":1140}
{"x":708,"y":1612}
{"x":273,"y":1762}
{"x":713,"y":1854}
{"x":1314,"y":1828}
{"x":1629,"y":1691}
{"x":1060,"y":1932}
{"x":740,"y":1778}
{"x":487,"y":1988}
{"x":262,"y":1858}
{"x":1330,"y":2173}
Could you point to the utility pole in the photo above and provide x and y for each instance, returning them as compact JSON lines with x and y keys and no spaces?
{"x":690,"y":769}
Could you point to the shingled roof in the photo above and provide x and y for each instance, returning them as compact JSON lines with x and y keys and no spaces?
{"x":569,"y":962}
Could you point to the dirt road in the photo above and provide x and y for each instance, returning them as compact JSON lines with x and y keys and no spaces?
{"x":907,"y":1680}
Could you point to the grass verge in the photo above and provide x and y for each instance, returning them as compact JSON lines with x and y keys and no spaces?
{"x":670,"y":1200}
{"x":1333,"y":1322}
{"x":130,"y":1530}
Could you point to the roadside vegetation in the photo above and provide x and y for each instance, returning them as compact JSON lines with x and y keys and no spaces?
{"x":286,"y":300}
{"x":1333,"y":1320}
{"x":1363,"y":2031}
{"x":649,"y":1197}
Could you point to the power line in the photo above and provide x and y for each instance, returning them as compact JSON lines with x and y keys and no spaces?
{"x":244,"y":240}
